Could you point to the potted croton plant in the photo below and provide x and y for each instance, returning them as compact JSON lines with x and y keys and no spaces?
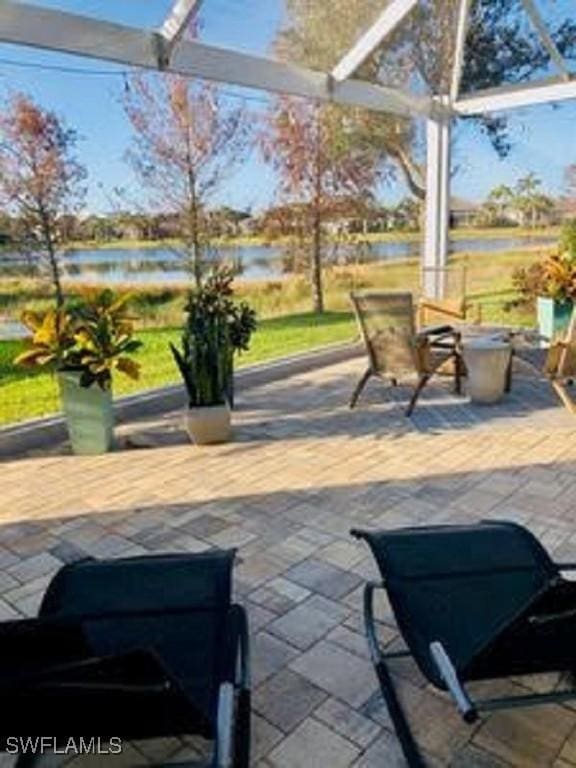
{"x":552,"y":284}
{"x":216,"y":328}
{"x":84,"y":343}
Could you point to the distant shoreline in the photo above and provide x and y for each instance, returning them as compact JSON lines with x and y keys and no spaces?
{"x":372,"y":237}
{"x":396,"y":236}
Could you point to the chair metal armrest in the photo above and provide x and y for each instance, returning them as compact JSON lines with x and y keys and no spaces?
{"x":450,"y":677}
{"x":369,"y":622}
{"x":436,"y":330}
{"x":224,"y":749}
{"x":234,"y":697}
{"x":244,"y":678}
{"x":566,"y":566}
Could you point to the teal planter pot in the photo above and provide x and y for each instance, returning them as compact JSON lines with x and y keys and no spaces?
{"x":553,"y":316}
{"x":89,"y":415}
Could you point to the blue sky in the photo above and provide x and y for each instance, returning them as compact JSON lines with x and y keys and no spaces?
{"x":544,"y":138}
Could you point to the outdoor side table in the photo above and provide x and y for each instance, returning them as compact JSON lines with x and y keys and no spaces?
{"x":487,"y":361}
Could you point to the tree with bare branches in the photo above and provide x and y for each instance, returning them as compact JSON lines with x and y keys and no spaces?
{"x":187,"y":141}
{"x":314,"y":150}
{"x":41,"y":181}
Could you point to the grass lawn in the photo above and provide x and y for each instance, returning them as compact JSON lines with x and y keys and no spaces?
{"x":287,"y":326}
{"x":25,"y":393}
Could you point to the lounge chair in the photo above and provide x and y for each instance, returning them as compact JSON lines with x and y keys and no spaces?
{"x":472,"y":603}
{"x":395,"y":348}
{"x":134,"y":648}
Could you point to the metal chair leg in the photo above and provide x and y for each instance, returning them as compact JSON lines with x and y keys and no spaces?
{"x":458,"y":372}
{"x":417,"y":390}
{"x":359,"y":387}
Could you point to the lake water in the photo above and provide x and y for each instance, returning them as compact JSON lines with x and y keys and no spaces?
{"x":161,"y":265}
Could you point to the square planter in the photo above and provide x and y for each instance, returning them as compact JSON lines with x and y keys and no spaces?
{"x":553,"y":316}
{"x":89,"y":415}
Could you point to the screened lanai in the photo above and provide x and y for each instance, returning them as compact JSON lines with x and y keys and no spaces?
{"x":427,"y":63}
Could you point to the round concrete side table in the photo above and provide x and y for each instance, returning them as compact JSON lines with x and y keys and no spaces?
{"x":487,"y":360}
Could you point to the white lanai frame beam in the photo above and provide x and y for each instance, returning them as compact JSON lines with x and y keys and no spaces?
{"x":389,"y":19}
{"x":39,"y":27}
{"x":437,"y":212}
{"x":460,"y":46}
{"x":546,"y":37}
{"x":177,"y":21}
{"x":508,"y":97}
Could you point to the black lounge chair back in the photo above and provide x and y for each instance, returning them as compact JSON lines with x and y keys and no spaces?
{"x":154,"y":583}
{"x":174,"y":606}
{"x":459,"y":585}
{"x":139,"y":647}
{"x":472,"y":602}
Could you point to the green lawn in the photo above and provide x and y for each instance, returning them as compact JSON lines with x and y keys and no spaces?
{"x":25,"y":393}
{"x":287,"y":326}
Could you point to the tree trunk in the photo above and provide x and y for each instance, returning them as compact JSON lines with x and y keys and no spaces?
{"x":412,"y":174}
{"x":316,"y":263}
{"x":52,"y":259}
{"x":195,"y":236}
{"x":193,"y":218}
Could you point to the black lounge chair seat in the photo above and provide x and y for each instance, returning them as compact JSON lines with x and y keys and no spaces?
{"x":136,"y":648}
{"x":472,"y":602}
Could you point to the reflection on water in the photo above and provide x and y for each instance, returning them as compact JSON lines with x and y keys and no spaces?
{"x":162,"y":265}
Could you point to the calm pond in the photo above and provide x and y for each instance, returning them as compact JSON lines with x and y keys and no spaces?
{"x":161,"y":265}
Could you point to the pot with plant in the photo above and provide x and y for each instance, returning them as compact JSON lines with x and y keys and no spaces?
{"x":84,"y":343}
{"x":551,"y":284}
{"x":216,"y":328}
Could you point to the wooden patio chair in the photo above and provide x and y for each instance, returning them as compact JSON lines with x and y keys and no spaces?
{"x":557,"y":362}
{"x":395,"y":348}
{"x":455,"y":304}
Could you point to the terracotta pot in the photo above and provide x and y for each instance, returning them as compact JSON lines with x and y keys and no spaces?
{"x":208,"y":425}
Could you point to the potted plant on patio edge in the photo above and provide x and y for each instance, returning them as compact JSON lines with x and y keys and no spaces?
{"x":216,"y":328}
{"x":551,"y":283}
{"x":84,"y":343}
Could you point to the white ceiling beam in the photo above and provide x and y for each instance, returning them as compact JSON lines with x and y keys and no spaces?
{"x":460,"y":46}
{"x":178,"y":19}
{"x":546,"y":38}
{"x":49,"y":29}
{"x":389,"y":19}
{"x":515,"y":96}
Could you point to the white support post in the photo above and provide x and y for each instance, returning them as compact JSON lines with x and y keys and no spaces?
{"x":437,"y":216}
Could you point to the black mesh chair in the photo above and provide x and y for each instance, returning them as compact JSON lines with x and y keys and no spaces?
{"x":134,"y":648}
{"x":472,"y":603}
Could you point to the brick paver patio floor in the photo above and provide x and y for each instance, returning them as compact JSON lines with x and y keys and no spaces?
{"x":301,"y":471}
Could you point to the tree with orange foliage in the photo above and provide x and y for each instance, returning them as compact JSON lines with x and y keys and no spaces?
{"x":40,"y":178}
{"x":314,"y":150}
{"x":187,"y":141}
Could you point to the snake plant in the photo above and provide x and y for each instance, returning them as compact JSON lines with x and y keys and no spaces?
{"x":216,"y":328}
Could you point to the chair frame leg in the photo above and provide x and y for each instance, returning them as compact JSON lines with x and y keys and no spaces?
{"x":360,"y":387}
{"x":560,"y":389}
{"x":422,"y":381}
{"x":407,"y":742}
{"x":458,"y":373}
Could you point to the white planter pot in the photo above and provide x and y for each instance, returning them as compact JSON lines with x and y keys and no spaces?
{"x":89,"y":415}
{"x":208,"y":425}
{"x":487,"y":362}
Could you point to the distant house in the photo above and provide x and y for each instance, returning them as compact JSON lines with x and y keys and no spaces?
{"x":463,"y":213}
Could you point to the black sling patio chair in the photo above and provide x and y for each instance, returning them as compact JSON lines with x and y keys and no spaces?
{"x":473,"y":602}
{"x":133,"y":648}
